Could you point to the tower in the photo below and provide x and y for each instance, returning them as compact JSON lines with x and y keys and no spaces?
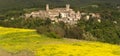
{"x":47,"y":7}
{"x":78,"y":15}
{"x":67,"y":7}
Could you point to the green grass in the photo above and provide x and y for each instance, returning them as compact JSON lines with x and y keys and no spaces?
{"x":14,"y":40}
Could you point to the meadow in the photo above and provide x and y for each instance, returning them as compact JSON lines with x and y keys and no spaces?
{"x":14,"y":40}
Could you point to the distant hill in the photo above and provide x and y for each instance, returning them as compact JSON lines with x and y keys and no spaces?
{"x":20,"y":4}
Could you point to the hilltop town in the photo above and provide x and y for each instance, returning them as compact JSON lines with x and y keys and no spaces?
{"x":66,"y":15}
{"x":59,"y":28}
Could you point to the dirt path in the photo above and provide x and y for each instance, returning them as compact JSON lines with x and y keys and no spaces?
{"x":20,"y":53}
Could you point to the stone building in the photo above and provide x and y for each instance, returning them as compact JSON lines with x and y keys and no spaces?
{"x":66,"y":15}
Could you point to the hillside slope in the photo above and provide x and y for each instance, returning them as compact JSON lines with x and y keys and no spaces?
{"x":13,"y":40}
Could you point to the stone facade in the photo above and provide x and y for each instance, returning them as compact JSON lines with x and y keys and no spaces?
{"x":67,"y":15}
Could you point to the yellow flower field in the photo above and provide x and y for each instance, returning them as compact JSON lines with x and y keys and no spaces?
{"x":14,"y":40}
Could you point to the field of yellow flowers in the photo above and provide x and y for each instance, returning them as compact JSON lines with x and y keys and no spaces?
{"x":14,"y":40}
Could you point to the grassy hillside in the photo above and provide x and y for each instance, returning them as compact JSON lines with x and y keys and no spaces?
{"x":14,"y":40}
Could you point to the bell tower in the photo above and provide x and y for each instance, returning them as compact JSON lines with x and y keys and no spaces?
{"x":47,"y":7}
{"x":67,"y":7}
